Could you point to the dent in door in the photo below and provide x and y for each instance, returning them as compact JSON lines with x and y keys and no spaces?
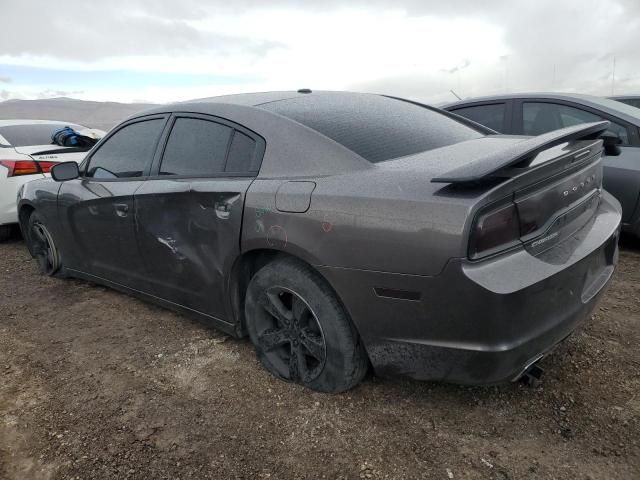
{"x":188,"y":232}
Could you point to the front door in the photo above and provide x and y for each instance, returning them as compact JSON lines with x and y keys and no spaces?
{"x":189,"y":214}
{"x":97,"y":209}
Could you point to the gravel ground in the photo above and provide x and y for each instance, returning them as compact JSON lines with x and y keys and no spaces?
{"x":95,"y":384}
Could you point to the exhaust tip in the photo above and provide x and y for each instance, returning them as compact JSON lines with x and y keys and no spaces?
{"x":532,"y":376}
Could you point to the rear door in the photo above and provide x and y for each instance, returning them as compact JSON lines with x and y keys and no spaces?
{"x":97,"y":211}
{"x":189,"y":212}
{"x":621,"y":173}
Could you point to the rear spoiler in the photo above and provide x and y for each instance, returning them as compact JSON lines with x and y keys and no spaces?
{"x":521,"y":153}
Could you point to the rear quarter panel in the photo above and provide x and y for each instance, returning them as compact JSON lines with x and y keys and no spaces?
{"x":370,"y":220}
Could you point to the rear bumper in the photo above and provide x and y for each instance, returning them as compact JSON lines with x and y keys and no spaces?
{"x":8,"y":196}
{"x":484,"y":322}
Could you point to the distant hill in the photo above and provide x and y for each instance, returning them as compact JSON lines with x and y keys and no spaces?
{"x":102,"y":115}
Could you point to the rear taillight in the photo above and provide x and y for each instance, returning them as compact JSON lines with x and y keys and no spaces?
{"x":46,"y":167}
{"x":26,"y":167}
{"x":494,"y":231}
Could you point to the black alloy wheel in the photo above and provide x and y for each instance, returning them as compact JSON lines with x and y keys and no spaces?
{"x":301,"y":330}
{"x":42,"y":246}
{"x":290,"y":335}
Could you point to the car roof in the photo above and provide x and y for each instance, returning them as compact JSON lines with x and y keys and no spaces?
{"x":243,"y":99}
{"x":253,"y":99}
{"x":606,"y":105}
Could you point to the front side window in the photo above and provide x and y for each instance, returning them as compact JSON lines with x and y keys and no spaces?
{"x":491,"y":116}
{"x":128,"y":152}
{"x":540,"y":117}
{"x":204,"y":148}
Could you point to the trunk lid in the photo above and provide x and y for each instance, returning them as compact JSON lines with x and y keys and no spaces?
{"x":536,"y":192}
{"x":53,"y":153}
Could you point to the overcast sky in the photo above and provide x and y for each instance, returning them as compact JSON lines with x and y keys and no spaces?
{"x":162,"y":50}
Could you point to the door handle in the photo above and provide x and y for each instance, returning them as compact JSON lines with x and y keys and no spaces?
{"x":122,"y":209}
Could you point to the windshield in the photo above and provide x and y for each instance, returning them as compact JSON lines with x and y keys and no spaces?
{"x":616,"y":105}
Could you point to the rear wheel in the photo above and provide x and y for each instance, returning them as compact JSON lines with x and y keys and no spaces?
{"x":42,"y":246}
{"x":301,"y":332}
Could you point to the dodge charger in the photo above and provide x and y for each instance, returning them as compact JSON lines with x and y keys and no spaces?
{"x":342,"y":232}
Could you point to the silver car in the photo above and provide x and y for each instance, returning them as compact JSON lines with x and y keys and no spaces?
{"x":538,"y":113}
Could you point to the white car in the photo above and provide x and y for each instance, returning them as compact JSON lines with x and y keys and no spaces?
{"x":27,"y":153}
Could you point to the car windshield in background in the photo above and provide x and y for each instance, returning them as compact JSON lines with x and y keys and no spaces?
{"x":616,"y":105}
{"x":634,"y":102}
{"x":33,"y":134}
{"x":375,"y":127}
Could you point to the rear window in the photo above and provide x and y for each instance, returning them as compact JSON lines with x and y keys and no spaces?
{"x":375,"y":127}
{"x":34,"y":134}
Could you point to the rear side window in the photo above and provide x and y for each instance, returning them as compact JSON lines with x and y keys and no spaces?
{"x":128,"y":152}
{"x":35,"y":134}
{"x":242,"y":154}
{"x":203,"y":148}
{"x":541,"y":117}
{"x":196,"y":147}
{"x":491,"y":116}
{"x":375,"y":127}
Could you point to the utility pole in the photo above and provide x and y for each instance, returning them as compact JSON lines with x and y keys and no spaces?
{"x":613,"y":77}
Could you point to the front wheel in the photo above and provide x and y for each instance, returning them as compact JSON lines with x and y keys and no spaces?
{"x":300,"y":330}
{"x":42,"y":246}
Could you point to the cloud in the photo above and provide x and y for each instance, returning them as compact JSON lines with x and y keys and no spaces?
{"x":113,"y":29}
{"x":416,"y":48}
{"x":49,"y":93}
{"x":5,"y":79}
{"x":465,"y":63}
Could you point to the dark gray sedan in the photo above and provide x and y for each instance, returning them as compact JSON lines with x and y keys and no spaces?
{"x":537,"y":113}
{"x":341,"y":231}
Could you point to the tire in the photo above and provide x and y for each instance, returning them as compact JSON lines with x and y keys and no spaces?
{"x":42,"y":246}
{"x":5,"y":232}
{"x":301,"y":332}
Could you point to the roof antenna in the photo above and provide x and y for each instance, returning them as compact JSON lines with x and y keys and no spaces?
{"x":456,"y":95}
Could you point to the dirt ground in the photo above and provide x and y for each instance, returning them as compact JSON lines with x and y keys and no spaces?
{"x":95,"y":384}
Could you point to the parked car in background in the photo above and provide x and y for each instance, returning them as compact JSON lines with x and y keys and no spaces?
{"x":27,"y":153}
{"x":633,"y":100}
{"x":538,"y":113}
{"x":341,"y":230}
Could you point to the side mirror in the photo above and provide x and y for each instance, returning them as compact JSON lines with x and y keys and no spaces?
{"x":611,"y":143}
{"x":65,"y":171}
